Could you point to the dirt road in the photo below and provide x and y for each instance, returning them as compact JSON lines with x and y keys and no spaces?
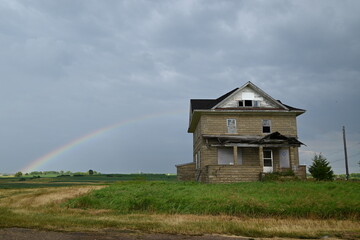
{"x":31,"y":234}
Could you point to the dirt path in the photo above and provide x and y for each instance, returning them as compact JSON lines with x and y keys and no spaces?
{"x":31,"y":234}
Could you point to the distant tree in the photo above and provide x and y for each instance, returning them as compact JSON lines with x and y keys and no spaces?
{"x":91,"y":172}
{"x":320,"y":168}
{"x":18,"y":174}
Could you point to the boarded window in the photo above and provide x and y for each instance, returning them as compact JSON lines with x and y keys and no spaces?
{"x":226,"y":156}
{"x":247,"y":95}
{"x":284,"y":158}
{"x":231,"y":125}
{"x":266,"y":126}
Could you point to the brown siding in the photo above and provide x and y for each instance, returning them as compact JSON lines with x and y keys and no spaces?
{"x":250,"y":156}
{"x":228,"y":173}
{"x":301,"y":172}
{"x":248,"y":124}
{"x":186,"y":172}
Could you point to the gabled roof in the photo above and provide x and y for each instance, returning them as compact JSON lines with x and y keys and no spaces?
{"x":199,"y":106}
{"x":208,"y":103}
{"x":257,"y":89}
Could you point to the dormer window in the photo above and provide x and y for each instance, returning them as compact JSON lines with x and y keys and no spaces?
{"x":249,"y":103}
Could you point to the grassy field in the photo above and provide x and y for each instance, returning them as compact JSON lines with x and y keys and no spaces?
{"x":340,"y":200}
{"x":258,"y":209}
{"x":62,"y":181}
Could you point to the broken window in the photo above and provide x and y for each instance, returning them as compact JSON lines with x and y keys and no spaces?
{"x":231,"y":125}
{"x":266,"y":126}
{"x":249,"y":103}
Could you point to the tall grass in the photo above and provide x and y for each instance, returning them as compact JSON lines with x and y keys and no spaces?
{"x":339,"y":200}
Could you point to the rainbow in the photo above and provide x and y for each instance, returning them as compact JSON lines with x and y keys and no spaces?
{"x":75,"y":142}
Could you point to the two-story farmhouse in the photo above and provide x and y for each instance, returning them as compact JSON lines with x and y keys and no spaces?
{"x":241,"y":135}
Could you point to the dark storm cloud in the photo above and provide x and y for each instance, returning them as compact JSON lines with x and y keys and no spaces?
{"x":70,"y":67}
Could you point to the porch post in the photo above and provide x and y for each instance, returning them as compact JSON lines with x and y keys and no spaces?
{"x":235,"y":148}
{"x":290,"y":158}
{"x":261,"y":156}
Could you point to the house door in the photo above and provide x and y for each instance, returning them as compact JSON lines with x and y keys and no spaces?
{"x":268,"y":161}
{"x":284,"y":158}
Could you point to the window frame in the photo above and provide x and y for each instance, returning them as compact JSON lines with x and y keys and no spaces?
{"x":231,"y":129}
{"x":197,"y":160}
{"x":254,"y":103}
{"x":266,"y":123}
{"x":271,"y":158}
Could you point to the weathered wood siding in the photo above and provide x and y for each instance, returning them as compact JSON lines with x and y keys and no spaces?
{"x":231,"y":173}
{"x":248,"y":124}
{"x":186,"y":172}
{"x":233,"y":102}
{"x":301,"y":172}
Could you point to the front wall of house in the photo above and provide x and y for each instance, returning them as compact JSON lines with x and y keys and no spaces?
{"x":250,"y":156}
{"x":248,"y":124}
{"x":250,"y":159}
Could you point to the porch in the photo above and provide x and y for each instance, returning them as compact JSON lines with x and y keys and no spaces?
{"x":225,"y":158}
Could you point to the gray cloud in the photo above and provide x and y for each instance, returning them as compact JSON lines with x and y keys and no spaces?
{"x":71,"y":67}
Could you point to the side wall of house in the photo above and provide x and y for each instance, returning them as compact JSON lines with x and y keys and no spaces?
{"x":186,"y":172}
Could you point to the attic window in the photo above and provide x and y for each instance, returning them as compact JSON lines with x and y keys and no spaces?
{"x":249,"y":103}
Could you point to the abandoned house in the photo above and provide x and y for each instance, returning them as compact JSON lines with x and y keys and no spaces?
{"x":241,"y":136}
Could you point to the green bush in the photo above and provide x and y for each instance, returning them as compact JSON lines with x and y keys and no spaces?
{"x":320,"y":169}
{"x":279,"y":176}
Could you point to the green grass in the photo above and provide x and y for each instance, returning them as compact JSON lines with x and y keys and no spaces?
{"x":323,"y":200}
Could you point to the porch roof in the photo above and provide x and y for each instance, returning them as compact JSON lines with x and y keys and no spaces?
{"x":271,"y":139}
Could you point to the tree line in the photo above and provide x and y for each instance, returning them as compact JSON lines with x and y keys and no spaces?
{"x":58,"y":173}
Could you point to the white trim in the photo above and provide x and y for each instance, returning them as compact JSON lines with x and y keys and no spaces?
{"x":268,"y":168}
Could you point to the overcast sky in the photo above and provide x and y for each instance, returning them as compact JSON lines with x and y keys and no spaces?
{"x":71,"y":67}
